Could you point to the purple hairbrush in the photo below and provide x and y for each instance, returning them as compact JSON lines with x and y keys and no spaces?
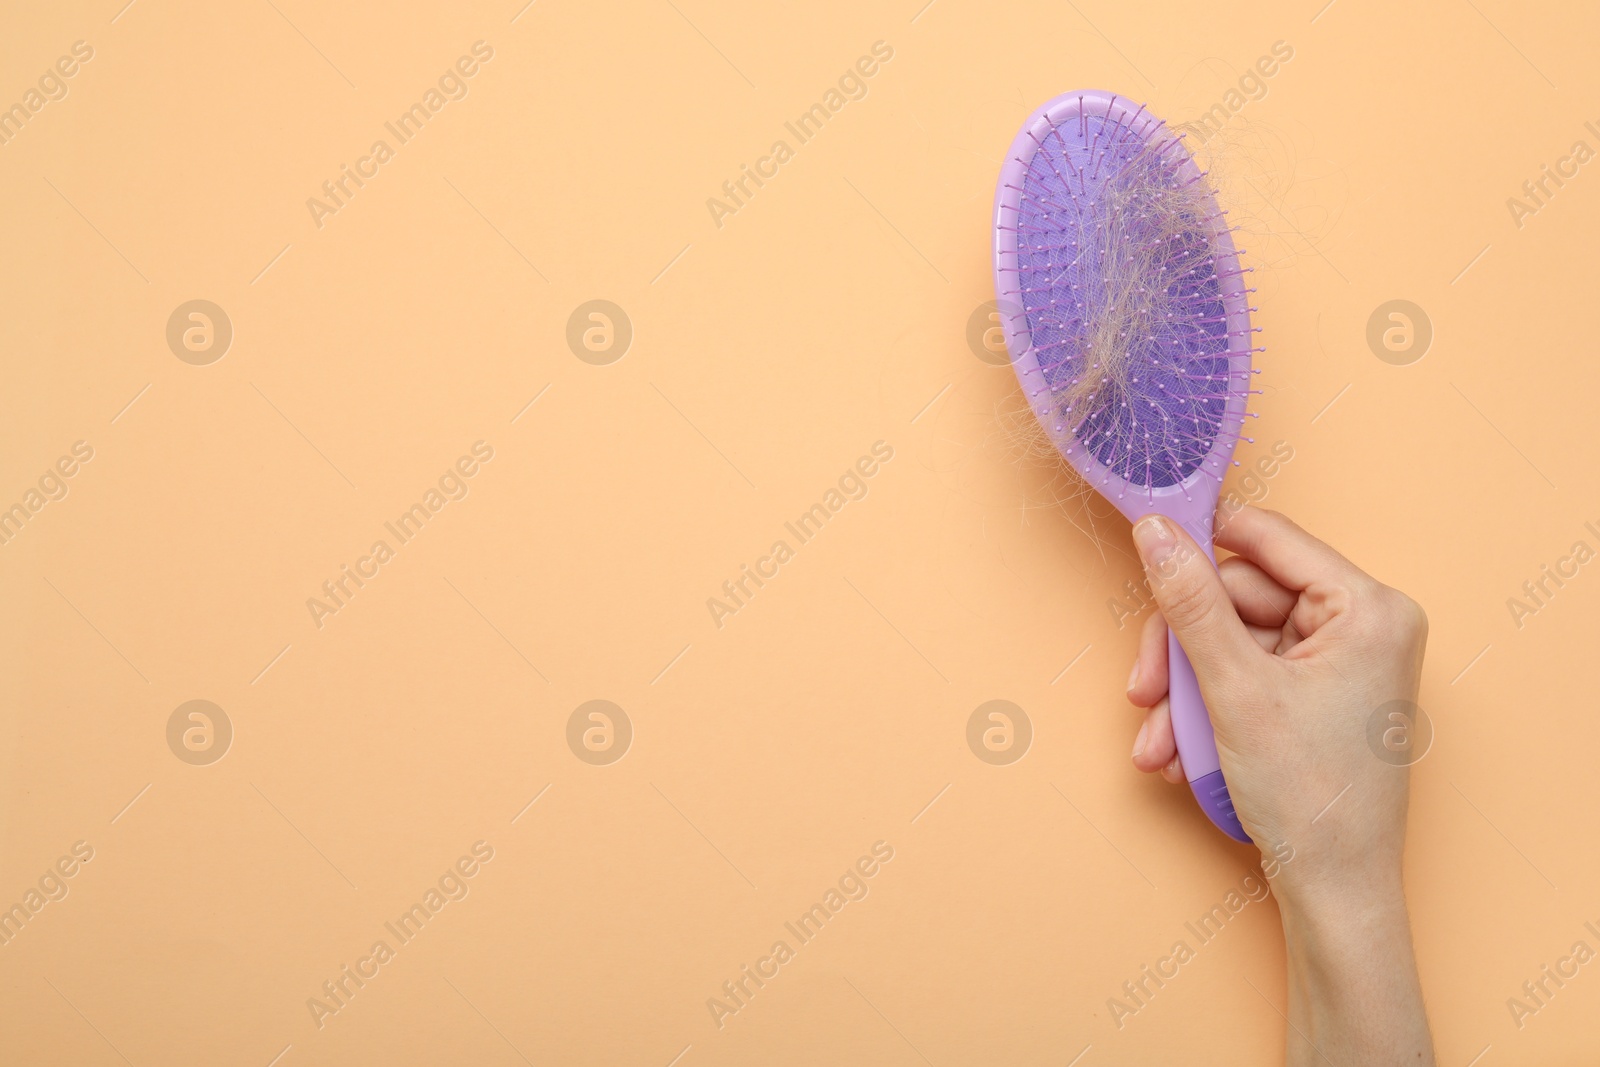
{"x":1128,"y":323}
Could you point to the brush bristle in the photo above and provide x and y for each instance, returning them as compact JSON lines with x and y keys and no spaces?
{"x":1124,"y":285}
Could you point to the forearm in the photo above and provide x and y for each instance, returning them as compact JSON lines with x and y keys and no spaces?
{"x":1354,"y":997}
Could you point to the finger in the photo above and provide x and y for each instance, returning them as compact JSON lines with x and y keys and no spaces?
{"x":1288,"y":638}
{"x":1283,"y":550}
{"x":1173,"y":771}
{"x":1257,"y":597}
{"x":1190,"y":594}
{"x":1148,"y":683}
{"x":1155,"y":747}
{"x":1268,"y":637}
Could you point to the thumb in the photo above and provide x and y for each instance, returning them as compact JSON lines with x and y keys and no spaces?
{"x":1190,"y":594}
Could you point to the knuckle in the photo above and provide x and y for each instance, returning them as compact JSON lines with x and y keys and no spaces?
{"x":1368,"y":597}
{"x":1399,"y":610}
{"x":1388,"y":613}
{"x":1410,"y":615}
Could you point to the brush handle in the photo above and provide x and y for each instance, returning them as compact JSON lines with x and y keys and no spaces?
{"x":1191,"y":728}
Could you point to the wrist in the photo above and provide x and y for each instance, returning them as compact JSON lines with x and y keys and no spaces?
{"x":1350,"y":957}
{"x":1329,"y":927}
{"x":1351,"y":898}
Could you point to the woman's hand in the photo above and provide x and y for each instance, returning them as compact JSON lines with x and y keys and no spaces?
{"x":1298,"y":653}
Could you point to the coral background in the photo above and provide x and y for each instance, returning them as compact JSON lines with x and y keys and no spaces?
{"x":831,"y":311}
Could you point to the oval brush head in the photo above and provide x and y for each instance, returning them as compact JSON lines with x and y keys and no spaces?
{"x":1122,"y":300}
{"x":1128,"y":323}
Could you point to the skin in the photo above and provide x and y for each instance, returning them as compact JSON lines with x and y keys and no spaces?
{"x":1295,"y":648}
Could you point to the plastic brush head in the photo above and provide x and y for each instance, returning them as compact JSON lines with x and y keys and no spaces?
{"x":1123,"y":301}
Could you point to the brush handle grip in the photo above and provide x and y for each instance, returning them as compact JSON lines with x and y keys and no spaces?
{"x":1191,"y":728}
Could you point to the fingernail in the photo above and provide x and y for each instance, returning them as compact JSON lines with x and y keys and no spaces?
{"x":1133,"y":679}
{"x":1138,"y":742}
{"x":1153,"y":537}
